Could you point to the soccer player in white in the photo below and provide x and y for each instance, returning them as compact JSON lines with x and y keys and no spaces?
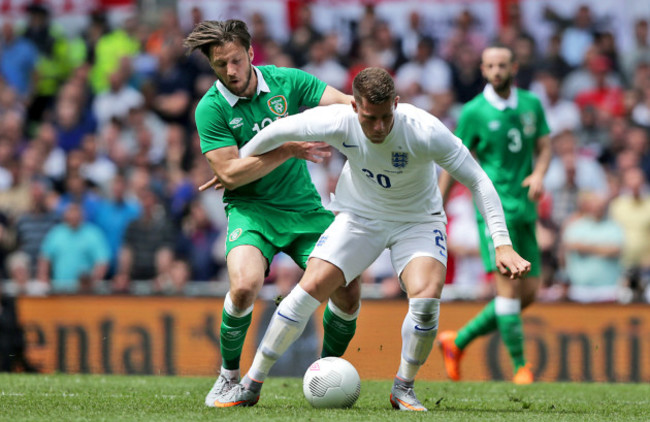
{"x":387,"y":197}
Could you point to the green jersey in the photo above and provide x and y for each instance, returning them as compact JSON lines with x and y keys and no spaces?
{"x":503,"y":135}
{"x":223,"y":120}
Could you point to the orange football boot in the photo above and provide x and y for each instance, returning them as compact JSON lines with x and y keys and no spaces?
{"x":524,"y":375}
{"x":450,"y":353}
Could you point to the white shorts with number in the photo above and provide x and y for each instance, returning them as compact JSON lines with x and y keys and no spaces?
{"x":352,"y":243}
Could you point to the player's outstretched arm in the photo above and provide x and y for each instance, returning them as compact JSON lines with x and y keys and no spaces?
{"x":232,"y":171}
{"x":510,"y":263}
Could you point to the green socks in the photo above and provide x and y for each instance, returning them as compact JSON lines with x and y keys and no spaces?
{"x":509,"y":325}
{"x":338,"y":332}
{"x":483,"y":323}
{"x":233,"y":334}
{"x":512,"y":334}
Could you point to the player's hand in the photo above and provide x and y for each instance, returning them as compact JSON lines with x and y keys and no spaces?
{"x":212,"y":182}
{"x":535,"y":186}
{"x":310,"y":151}
{"x":510,"y":263}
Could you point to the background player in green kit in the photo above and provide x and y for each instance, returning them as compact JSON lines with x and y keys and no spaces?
{"x":505,"y":128}
{"x":282,"y":210}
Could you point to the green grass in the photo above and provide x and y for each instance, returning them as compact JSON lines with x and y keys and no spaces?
{"x":135,"y":398}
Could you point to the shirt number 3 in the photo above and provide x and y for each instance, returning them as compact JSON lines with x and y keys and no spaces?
{"x":515,"y":140}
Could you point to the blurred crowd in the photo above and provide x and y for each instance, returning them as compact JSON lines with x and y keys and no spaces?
{"x":100,"y":159}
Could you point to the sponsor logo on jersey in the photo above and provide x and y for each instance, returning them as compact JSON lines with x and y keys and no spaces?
{"x":494,"y":125}
{"x":278,"y":105}
{"x":400,"y":159}
{"x":235,"y":234}
{"x":236,"y":122}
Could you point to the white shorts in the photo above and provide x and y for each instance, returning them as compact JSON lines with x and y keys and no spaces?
{"x":352,"y":243}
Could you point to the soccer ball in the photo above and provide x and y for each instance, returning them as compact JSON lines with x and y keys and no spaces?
{"x":331,"y":383}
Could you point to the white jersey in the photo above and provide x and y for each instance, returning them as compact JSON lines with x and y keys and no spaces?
{"x":395,"y":180}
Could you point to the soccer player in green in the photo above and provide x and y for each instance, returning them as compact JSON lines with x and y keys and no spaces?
{"x":279,"y":212}
{"x":506,"y":128}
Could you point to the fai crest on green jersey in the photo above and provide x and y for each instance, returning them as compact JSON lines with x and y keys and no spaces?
{"x":278,"y":105}
{"x":528,"y":122}
{"x":399,"y":159}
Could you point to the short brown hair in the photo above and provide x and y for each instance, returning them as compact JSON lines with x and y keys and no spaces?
{"x":209,"y":33}
{"x":375,"y":85}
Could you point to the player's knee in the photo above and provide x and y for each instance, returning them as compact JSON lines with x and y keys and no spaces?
{"x":425,"y":312}
{"x":243,"y":296}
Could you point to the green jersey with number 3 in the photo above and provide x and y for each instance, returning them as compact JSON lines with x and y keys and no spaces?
{"x":504,"y":143}
{"x":226,"y":120}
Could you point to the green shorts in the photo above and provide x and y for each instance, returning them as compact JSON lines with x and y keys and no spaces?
{"x":524,"y":241}
{"x":272,"y":231}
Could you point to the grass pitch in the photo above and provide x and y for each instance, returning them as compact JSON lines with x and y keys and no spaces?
{"x":153,"y":398}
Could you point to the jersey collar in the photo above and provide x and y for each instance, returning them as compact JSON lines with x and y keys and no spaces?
{"x":232,"y":98}
{"x":499,"y":103}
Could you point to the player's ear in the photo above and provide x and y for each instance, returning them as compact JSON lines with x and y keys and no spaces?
{"x":396,"y":101}
{"x":251,"y":53}
{"x":354,"y":105}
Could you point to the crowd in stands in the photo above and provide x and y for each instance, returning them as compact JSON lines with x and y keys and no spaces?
{"x":100,"y":159}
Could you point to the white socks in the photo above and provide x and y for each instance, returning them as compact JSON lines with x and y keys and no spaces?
{"x":286,"y":325}
{"x":419,"y":329}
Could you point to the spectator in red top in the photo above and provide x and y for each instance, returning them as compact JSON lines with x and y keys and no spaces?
{"x":606,"y":99}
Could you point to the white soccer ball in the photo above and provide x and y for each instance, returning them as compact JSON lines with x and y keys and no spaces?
{"x":331,"y":383}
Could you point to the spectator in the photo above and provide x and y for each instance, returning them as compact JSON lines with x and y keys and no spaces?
{"x":116,"y":102}
{"x":593,"y":244}
{"x":467,"y":81}
{"x":524,"y":49}
{"x":640,"y":53}
{"x":110,"y":50}
{"x":170,"y":89}
{"x":54,"y":165}
{"x":562,"y":115}
{"x":595,"y":70}
{"x":631,"y":210}
{"x":32,"y":226}
{"x":74,"y":254}
{"x":605,"y":98}
{"x":568,"y":174}
{"x":147,"y":250}
{"x":96,"y":168}
{"x":197,"y":244}
{"x":578,"y":36}
{"x":637,"y":142}
{"x":322,"y":65}
{"x":17,"y":61}
{"x":302,"y":36}
{"x":425,"y":74}
{"x":114,"y":214}
{"x":73,"y":122}
{"x":76,"y":190}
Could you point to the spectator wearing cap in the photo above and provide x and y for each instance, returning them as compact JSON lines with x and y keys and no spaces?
{"x":74,"y":253}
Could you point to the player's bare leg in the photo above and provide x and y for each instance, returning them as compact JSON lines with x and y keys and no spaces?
{"x":318,"y":283}
{"x":246,"y":267}
{"x":423,"y":278}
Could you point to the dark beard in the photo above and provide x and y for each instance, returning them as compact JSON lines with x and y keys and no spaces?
{"x":504,"y":87}
{"x":248,"y":81}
